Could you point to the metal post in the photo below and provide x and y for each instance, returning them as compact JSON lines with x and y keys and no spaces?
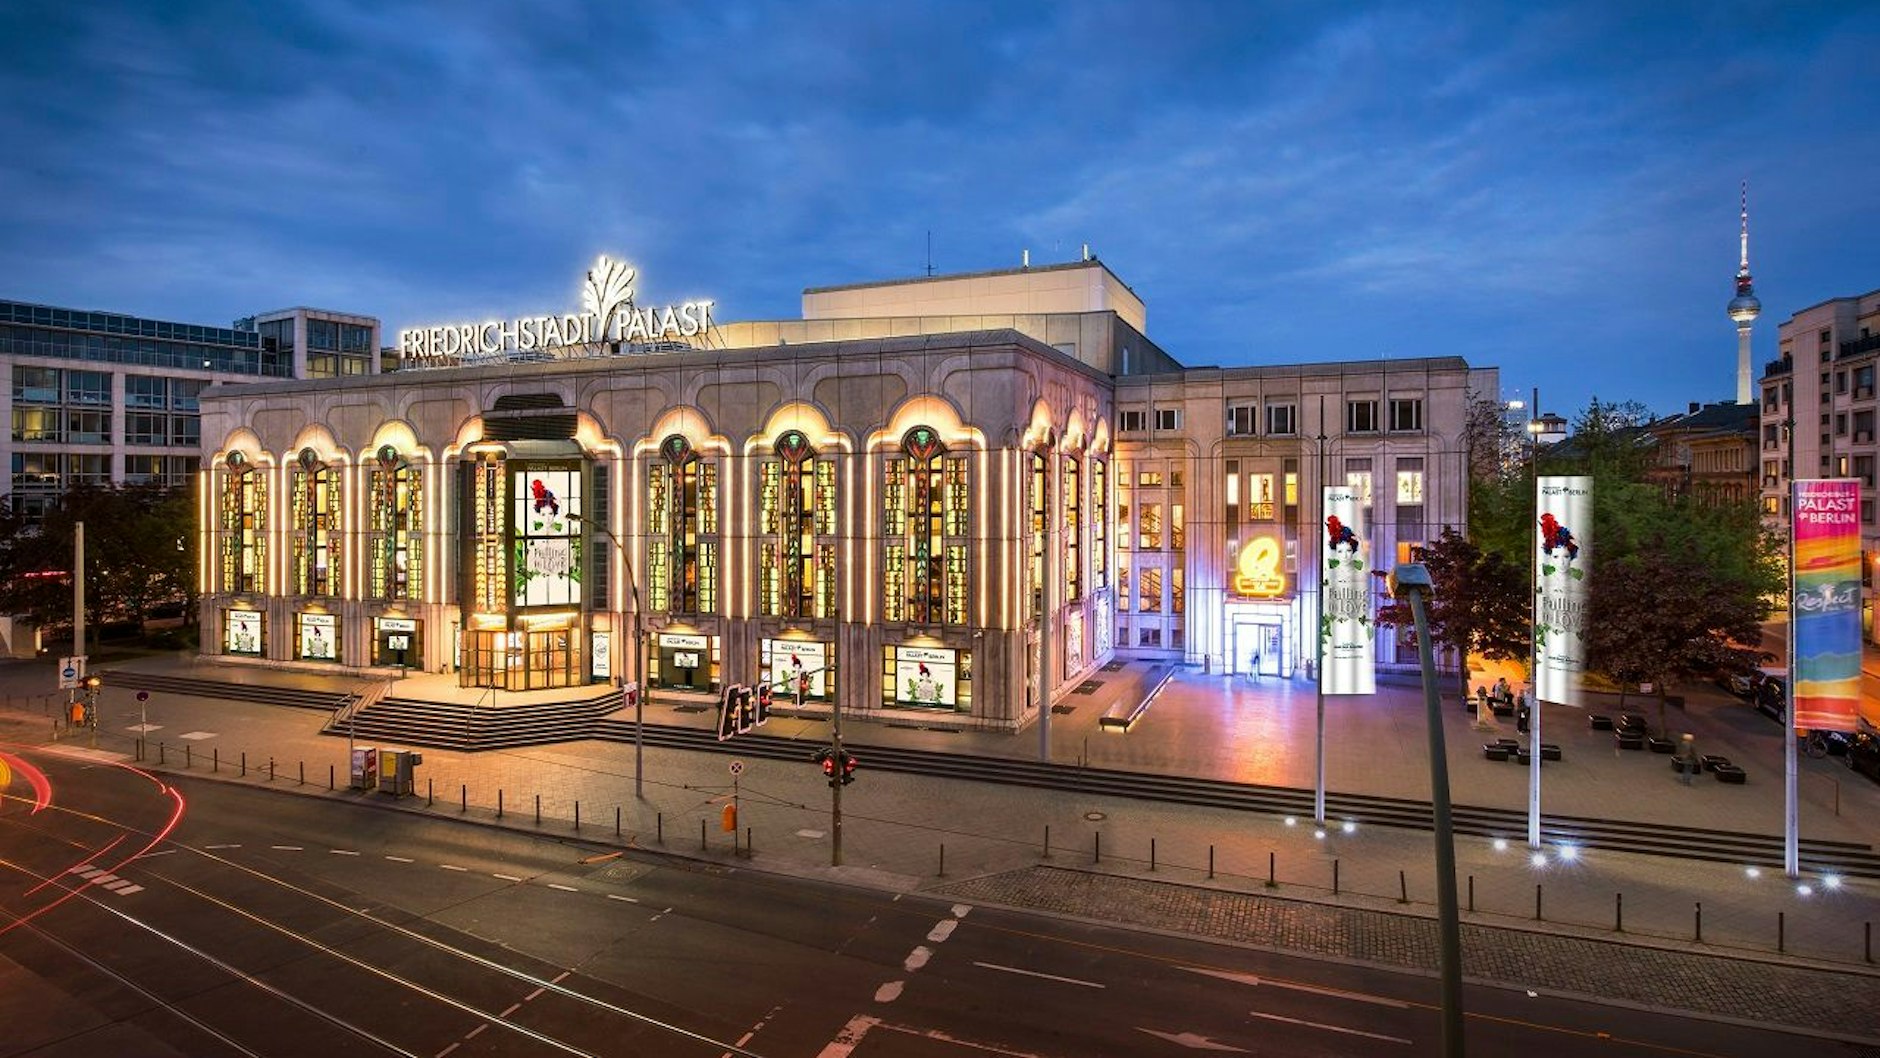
{"x":835,"y":781}
{"x":1318,"y":636}
{"x":1534,"y":655}
{"x":78,"y":589}
{"x":1791,"y":780}
{"x":1447,"y":915}
{"x":1044,"y":616}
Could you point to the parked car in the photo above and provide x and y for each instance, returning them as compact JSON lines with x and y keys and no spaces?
{"x":1771,"y":694}
{"x":1740,"y":682}
{"x":1863,"y":755}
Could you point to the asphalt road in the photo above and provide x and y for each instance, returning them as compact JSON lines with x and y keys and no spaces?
{"x":229,"y":921}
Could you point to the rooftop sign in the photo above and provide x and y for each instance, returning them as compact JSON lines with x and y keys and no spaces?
{"x":608,"y":314}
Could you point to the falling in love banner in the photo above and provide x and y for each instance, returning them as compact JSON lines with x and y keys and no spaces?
{"x":1826,"y":522}
{"x":1563,"y":556}
{"x":1345,"y":627}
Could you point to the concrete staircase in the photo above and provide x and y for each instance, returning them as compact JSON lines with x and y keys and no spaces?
{"x":292,"y":697}
{"x":448,"y":725}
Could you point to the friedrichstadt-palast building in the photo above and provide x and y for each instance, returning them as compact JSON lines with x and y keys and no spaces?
{"x":872,"y":504}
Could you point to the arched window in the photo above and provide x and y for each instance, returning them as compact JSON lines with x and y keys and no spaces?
{"x":682,"y":529}
{"x":393,"y":523}
{"x":487,"y":532}
{"x":244,"y":526}
{"x":1039,"y":487}
{"x":1099,"y":525}
{"x":1073,"y":531}
{"x":315,"y":524}
{"x":926,"y":520}
{"x":796,"y":520}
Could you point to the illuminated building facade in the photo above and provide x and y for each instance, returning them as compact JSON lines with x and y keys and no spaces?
{"x":863,"y":505}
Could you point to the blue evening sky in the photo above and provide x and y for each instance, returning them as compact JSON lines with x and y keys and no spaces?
{"x":1550,"y":189}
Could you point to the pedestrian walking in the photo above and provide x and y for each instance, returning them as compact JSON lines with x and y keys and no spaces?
{"x":1687,"y":755}
{"x":1256,"y":663}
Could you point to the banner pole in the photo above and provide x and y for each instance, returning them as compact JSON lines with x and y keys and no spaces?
{"x":1791,"y":816}
{"x":1534,"y":602}
{"x":1318,"y":635}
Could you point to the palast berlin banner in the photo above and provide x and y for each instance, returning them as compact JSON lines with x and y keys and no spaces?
{"x":1345,"y":627}
{"x":1826,"y":522}
{"x":1563,"y":556}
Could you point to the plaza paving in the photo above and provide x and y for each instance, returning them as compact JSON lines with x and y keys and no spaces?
{"x":896,"y":827}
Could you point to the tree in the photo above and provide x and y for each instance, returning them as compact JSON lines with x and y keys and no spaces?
{"x":1479,"y":606}
{"x":139,"y":550}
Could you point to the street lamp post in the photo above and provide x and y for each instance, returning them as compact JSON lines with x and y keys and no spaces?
{"x":639,"y":657}
{"x":1318,"y":634}
{"x":1534,"y":657}
{"x":1411,"y":581}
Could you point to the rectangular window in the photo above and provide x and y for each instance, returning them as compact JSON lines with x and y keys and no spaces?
{"x":1840,"y":424}
{"x":146,"y":428}
{"x":1279,"y":420}
{"x":184,"y":394}
{"x":38,"y":424}
{"x":1840,"y":382}
{"x":1071,"y":490}
{"x":1863,"y":382}
{"x":186,"y":430}
{"x":1177,"y":528}
{"x":1167,"y":419}
{"x":1123,"y":583}
{"x":36,"y":385}
{"x":146,"y":391}
{"x":1149,"y":533}
{"x":1242,"y":420}
{"x":1361,"y":416}
{"x":88,"y":427}
{"x":1100,"y":524}
{"x":1124,"y":538}
{"x":1175,"y":599}
{"x":1149,"y":479}
{"x":1292,"y":486}
{"x":1260,"y":498}
{"x":1410,"y":480}
{"x":1406,"y":413}
{"x":1149,"y":637}
{"x":1866,"y":512}
{"x":87,"y":387}
{"x":1132,"y":421}
{"x":1863,"y":469}
{"x":1863,"y":426}
{"x":1149,"y":589}
{"x":1358,"y":477}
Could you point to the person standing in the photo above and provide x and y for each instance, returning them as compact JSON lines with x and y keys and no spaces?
{"x":1687,"y":756}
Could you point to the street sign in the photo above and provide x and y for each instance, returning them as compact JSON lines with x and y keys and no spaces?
{"x":72,"y":672}
{"x":737,"y":768}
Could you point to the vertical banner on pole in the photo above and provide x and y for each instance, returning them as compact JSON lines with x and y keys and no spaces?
{"x":1345,"y":591}
{"x":1826,"y":669}
{"x":1564,"y":553}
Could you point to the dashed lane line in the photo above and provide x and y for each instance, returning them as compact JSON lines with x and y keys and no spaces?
{"x":452,"y":867}
{"x":622,"y":899}
{"x":563,"y":888}
{"x":342,"y":852}
{"x":1035,"y":973}
{"x":399,"y":859}
{"x":1329,"y":1028}
{"x":506,"y":877}
{"x":287,"y":848}
{"x":221,"y":846}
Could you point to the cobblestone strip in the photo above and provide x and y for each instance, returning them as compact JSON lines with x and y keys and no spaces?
{"x":1788,"y":995}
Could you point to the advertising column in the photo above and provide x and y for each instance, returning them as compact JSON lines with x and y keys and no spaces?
{"x":1826,"y":669}
{"x":1345,"y":628}
{"x":1563,"y":556}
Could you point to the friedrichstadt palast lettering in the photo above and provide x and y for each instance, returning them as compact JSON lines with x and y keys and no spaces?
{"x":609,"y":315}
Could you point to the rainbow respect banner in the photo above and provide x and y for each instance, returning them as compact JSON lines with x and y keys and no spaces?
{"x":1825,"y":518}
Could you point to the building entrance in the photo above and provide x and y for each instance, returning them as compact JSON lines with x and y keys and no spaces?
{"x":520,"y":661}
{"x":1257,"y":645}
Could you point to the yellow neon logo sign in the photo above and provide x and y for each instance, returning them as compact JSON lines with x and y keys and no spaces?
{"x":1257,"y":573}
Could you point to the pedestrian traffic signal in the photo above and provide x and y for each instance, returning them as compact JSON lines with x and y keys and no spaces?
{"x":848,"y":767}
{"x":763,"y":703}
{"x":827,"y":759}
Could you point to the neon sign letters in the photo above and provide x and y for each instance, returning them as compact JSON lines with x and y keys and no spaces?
{"x":1257,"y":572}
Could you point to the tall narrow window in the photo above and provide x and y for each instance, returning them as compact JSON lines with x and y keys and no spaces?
{"x":925,"y":522}
{"x":797,"y":520}
{"x":1040,"y":507}
{"x":1099,"y":525}
{"x":244,"y":526}
{"x":489,"y":544}
{"x":1073,"y":532}
{"x":315,"y":525}
{"x":394,"y":521}
{"x":682,"y":522}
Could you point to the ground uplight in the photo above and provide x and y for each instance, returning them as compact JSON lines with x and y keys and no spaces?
{"x":1539,"y":859}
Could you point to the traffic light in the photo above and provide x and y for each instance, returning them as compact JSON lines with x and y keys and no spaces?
{"x":827,"y":758}
{"x":848,"y":767}
{"x":763,"y":703}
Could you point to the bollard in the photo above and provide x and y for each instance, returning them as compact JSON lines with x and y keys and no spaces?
{"x":701,"y":835}
{"x":499,"y":802}
{"x":428,"y":791}
{"x":244,"y":764}
{"x":163,"y":754}
{"x":1272,"y":869}
{"x":215,"y":760}
{"x":1334,"y":877}
{"x":1700,"y":922}
{"x":303,"y":773}
{"x":747,"y":844}
{"x":1869,"y":932}
{"x":659,"y":827}
{"x":1471,"y":894}
{"x":463,"y":797}
{"x":1782,"y":931}
{"x":329,"y":777}
{"x":270,"y":769}
{"x":1047,"y":841}
{"x":1537,"y":901}
{"x":1210,"y":862}
{"x":1096,"y":848}
{"x":189,"y":755}
{"x":616,"y":821}
{"x":1152,"y":854}
{"x":1618,"y":912}
{"x":943,"y":859}
{"x":577,"y":815}
{"x":1403,"y":888}
{"x":538,"y":810}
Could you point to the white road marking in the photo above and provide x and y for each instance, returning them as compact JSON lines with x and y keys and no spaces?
{"x":91,"y":872}
{"x":342,"y":852}
{"x":129,"y":889}
{"x":115,"y":883}
{"x":942,"y":930}
{"x":452,"y":867}
{"x":506,"y":877}
{"x":159,"y":852}
{"x":560,"y":977}
{"x":809,"y":834}
{"x":961,"y":910}
{"x":399,"y":859}
{"x":288,"y":848}
{"x":1193,"y":1041}
{"x":513,"y":1007}
{"x":196,"y":735}
{"x":1035,"y":973}
{"x":1268,"y":982}
{"x":889,"y":992}
{"x":447,"y":1050}
{"x":917,"y":958}
{"x":531,"y":996}
{"x":1330,"y":1028}
{"x":563,"y":888}
{"x":622,"y":899}
{"x":80,"y":869}
{"x":848,"y":1037}
{"x":221,"y":846}
{"x":144,"y":728}
{"x":473,"y":1032}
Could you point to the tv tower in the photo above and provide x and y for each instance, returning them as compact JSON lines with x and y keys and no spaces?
{"x":1744,"y":308}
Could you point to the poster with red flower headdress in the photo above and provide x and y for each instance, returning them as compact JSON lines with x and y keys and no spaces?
{"x":1346,"y":630}
{"x":1563,"y":556}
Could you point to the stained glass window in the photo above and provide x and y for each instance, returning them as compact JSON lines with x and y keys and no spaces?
{"x":394,"y":524}
{"x":244,"y":526}
{"x":315,"y":525}
{"x":489,"y":498}
{"x":682,"y":523}
{"x":1073,"y":532}
{"x":797,"y":505}
{"x":926,"y":520}
{"x":1099,"y":525}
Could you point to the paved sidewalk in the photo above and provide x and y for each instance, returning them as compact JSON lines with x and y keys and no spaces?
{"x":898,"y":826}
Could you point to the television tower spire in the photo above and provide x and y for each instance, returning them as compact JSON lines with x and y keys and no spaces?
{"x":1744,"y":308}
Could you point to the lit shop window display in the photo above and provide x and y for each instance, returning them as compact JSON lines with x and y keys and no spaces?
{"x":796,"y":522}
{"x":926,"y":516}
{"x":395,"y":642}
{"x":244,"y":526}
{"x":315,"y":525}
{"x":684,"y":661}
{"x":793,"y":666}
{"x":241,"y":633}
{"x":316,"y":637}
{"x":682,"y":530}
{"x":928,"y":677}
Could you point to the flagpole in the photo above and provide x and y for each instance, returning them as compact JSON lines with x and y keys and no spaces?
{"x":1318,"y":662}
{"x":1534,"y":666}
{"x":1791,"y":815}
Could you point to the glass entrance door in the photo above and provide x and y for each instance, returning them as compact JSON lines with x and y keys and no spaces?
{"x":519,"y":661}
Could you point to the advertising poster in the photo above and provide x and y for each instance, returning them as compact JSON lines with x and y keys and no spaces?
{"x":1826,"y":516}
{"x":601,"y":654}
{"x":1563,"y":555}
{"x":792,"y":660}
{"x":926,"y":676}
{"x":547,"y":530}
{"x":319,"y":636}
{"x":1345,"y":626}
{"x":242,"y":632}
